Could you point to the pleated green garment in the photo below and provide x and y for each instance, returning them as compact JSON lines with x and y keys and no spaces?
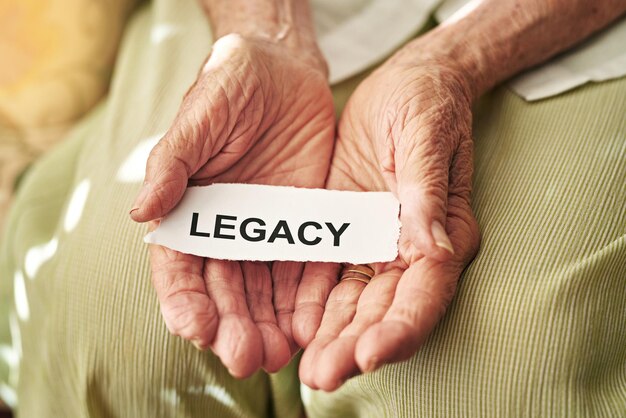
{"x":537,"y":329}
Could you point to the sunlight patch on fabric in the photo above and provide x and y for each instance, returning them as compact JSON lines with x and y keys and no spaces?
{"x":305,"y":394}
{"x":8,"y":395}
{"x":21,"y":300}
{"x":162,"y":32}
{"x":8,"y":355}
{"x":217,"y":392}
{"x":170,"y":397}
{"x":36,"y":256}
{"x":465,"y":10}
{"x":77,"y":205}
{"x":16,"y":338}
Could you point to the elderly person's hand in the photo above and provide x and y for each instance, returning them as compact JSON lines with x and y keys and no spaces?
{"x":260,"y":112}
{"x":407,"y":129}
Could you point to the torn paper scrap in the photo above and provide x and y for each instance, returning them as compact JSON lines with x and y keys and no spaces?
{"x":265,"y":223}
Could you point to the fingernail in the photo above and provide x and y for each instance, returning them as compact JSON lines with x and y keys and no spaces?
{"x":441,"y":238}
{"x":372,"y":365}
{"x":141,"y":197}
{"x":196,"y":343}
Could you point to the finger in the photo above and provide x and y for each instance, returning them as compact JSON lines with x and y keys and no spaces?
{"x":286,"y":276}
{"x":258,"y":287}
{"x":205,"y":120}
{"x":422,"y":295}
{"x":175,"y":158}
{"x":336,"y":361}
{"x":186,"y":308}
{"x":427,"y":287}
{"x":318,"y":280}
{"x":423,"y":158}
{"x":238,"y":341}
{"x":339,"y":311}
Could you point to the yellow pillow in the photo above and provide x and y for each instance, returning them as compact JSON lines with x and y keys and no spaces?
{"x":56,"y":60}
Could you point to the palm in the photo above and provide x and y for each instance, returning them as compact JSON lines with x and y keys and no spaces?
{"x":253,"y":301}
{"x":364,"y":326}
{"x":279,"y":119}
{"x":269,"y":120}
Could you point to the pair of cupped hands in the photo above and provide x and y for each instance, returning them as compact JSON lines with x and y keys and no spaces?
{"x":262,"y":113}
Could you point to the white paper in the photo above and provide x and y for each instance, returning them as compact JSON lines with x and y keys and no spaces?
{"x":265,"y":223}
{"x":601,"y":57}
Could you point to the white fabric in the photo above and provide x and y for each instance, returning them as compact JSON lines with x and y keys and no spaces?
{"x":355,"y":34}
{"x":600,"y":58}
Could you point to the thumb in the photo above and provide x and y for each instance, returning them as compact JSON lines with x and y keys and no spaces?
{"x":422,"y":188}
{"x":192,"y":140}
{"x":170,"y":164}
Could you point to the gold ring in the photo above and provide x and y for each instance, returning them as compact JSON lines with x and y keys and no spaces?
{"x":359,"y":272}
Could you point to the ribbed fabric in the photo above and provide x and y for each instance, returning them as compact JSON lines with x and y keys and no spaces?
{"x":93,"y":343}
{"x":538,"y":327}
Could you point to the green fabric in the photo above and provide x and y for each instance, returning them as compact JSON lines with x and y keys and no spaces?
{"x":537,"y":328}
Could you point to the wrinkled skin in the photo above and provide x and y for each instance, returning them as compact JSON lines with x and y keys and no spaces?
{"x":407,"y":129}
{"x":258,"y":113}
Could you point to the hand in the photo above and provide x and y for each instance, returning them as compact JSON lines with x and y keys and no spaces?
{"x":257,"y":113}
{"x":407,"y":129}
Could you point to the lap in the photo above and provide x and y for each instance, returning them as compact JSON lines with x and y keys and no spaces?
{"x":535,"y":328}
{"x":90,"y":335}
{"x":536,"y":325}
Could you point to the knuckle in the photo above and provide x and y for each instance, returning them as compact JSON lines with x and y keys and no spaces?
{"x":166,"y":156}
{"x":165,"y":196}
{"x":188,"y":315}
{"x":155,"y":155}
{"x":325,"y":381}
{"x":346,"y":293}
{"x":432,"y":304}
{"x":179,"y":317}
{"x":240,"y":347}
{"x":231,"y":39}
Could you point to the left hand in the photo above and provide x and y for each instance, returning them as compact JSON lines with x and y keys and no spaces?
{"x":407,"y":129}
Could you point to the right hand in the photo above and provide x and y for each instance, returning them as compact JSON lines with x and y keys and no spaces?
{"x":257,"y":113}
